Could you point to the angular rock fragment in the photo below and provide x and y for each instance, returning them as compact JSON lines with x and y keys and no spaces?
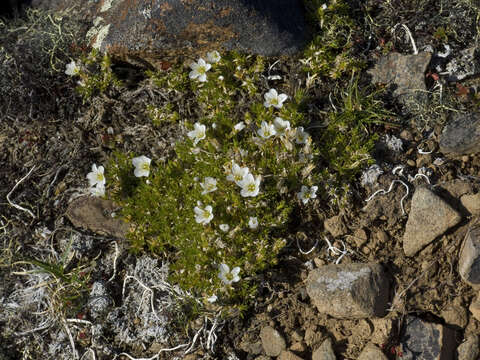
{"x":349,"y":291}
{"x":406,"y":72}
{"x":430,"y":216}
{"x":465,"y":65}
{"x":469,"y":261}
{"x":272,"y":341}
{"x":471,"y":202}
{"x":372,"y":352}
{"x":475,"y":308}
{"x":335,"y":226}
{"x":325,"y":351}
{"x":469,"y":349}
{"x":461,"y":135}
{"x":96,"y":215}
{"x":426,"y":341}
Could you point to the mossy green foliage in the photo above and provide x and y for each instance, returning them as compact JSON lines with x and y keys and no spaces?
{"x":161,"y":210}
{"x":331,"y":51}
{"x":96,"y":75}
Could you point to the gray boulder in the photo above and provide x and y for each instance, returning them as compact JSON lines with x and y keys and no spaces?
{"x":461,"y":135}
{"x":469,"y":262}
{"x":349,"y":291}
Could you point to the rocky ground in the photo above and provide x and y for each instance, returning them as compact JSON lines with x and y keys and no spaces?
{"x":394,"y":275}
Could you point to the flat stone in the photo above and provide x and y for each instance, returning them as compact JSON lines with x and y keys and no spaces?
{"x":325,"y":351}
{"x":371,"y":352}
{"x":469,"y":261}
{"x":272,"y":341}
{"x":288,"y":355}
{"x":426,"y":341}
{"x":455,"y":315}
{"x":469,"y":349}
{"x":349,"y":291}
{"x":335,"y":226}
{"x":461,"y":135}
{"x":471,"y":202}
{"x":430,"y":216}
{"x":95,"y":214}
{"x":406,"y":72}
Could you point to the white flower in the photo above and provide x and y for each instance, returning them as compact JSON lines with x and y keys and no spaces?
{"x":266,"y":130}
{"x":199,"y":70}
{"x":224,"y":227}
{"x":96,"y":176}
{"x":98,"y":190}
{"x":238,"y":173}
{"x":228,"y":276}
{"x":203,"y":216}
{"x":250,"y":185}
{"x":301,"y":136}
{"x":209,"y":185}
{"x":239,"y":126}
{"x":273,"y":99}
{"x":306,"y":194}
{"x":324,"y":7}
{"x":72,"y":69}
{"x":253,"y":223}
{"x":213,"y":57}
{"x":197,"y":134}
{"x":212,"y":299}
{"x":142,"y":166}
{"x":281,"y":126}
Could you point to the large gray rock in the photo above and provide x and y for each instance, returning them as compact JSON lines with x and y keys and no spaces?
{"x":469,"y":262}
{"x":426,"y":341}
{"x":461,"y":135}
{"x":430,"y":216}
{"x":159,"y":30}
{"x":325,"y":351}
{"x":406,"y":73}
{"x":372,"y":352}
{"x":469,"y":349}
{"x":272,"y":341}
{"x":349,"y":291}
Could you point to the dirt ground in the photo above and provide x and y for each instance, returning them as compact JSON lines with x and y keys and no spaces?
{"x":49,"y":139}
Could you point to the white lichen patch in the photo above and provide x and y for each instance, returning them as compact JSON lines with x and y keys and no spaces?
{"x":344,"y":279}
{"x":370,"y":176}
{"x":101,"y":35}
{"x":107,"y":5}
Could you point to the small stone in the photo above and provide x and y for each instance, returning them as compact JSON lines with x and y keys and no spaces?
{"x":464,"y":65}
{"x":372,"y":352}
{"x":461,"y":135}
{"x":411,"y":163}
{"x":469,"y":261}
{"x":469,"y":349}
{"x":262,"y":357}
{"x":471,"y":203}
{"x":360,"y":237}
{"x":430,"y":216}
{"x":288,"y":355}
{"x":426,"y":341}
{"x":406,"y":72}
{"x":298,"y":347}
{"x":455,"y":315}
{"x":382,"y":237}
{"x":475,"y":308}
{"x":94,"y":214}
{"x":349,"y":291}
{"x":325,"y":351}
{"x":406,"y":135}
{"x":335,"y":226}
{"x":273,"y":343}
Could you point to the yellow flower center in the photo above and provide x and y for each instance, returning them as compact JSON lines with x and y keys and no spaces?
{"x":206,"y":214}
{"x":100,"y":177}
{"x":251,"y":187}
{"x":201,"y":70}
{"x":146,"y":166}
